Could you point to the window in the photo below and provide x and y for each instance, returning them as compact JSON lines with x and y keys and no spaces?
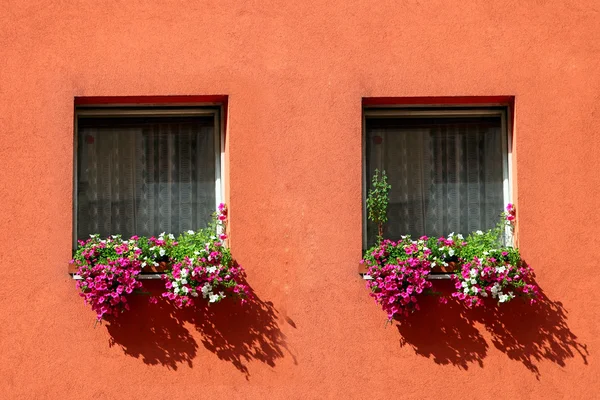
{"x":448,"y":168}
{"x":143,"y":171}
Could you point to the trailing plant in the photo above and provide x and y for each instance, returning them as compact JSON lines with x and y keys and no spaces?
{"x":200,"y":265}
{"x":489,"y":268}
{"x":398,"y":275}
{"x":203,"y":267}
{"x":109,"y":270}
{"x":397,"y":272}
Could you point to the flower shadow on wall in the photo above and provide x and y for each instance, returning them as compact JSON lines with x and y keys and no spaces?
{"x":153,"y":332}
{"x":236,"y":333}
{"x":533,"y":334}
{"x":241,"y":333}
{"x":444,"y":333}
{"x":530,"y":334}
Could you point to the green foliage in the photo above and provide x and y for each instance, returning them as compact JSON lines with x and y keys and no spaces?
{"x":377,"y":202}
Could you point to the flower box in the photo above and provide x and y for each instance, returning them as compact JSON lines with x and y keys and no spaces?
{"x":156,"y":269}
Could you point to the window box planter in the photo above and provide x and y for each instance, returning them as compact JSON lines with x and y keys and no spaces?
{"x":439,"y":270}
{"x":157,"y":269}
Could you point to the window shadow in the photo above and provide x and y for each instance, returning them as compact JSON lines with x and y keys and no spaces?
{"x":237,"y":333}
{"x":532,"y":334}
{"x":155,"y":333}
{"x":444,"y":333}
{"x":242,"y":333}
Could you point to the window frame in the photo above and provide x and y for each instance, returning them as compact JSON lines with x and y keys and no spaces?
{"x":152,"y":110}
{"x":436,"y":111}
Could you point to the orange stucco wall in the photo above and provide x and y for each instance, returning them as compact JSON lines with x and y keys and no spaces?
{"x":295,"y":74}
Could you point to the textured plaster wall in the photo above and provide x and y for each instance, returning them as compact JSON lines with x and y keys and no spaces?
{"x":295,"y":73}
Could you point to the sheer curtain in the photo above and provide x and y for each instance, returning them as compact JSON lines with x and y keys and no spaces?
{"x":145,"y":178}
{"x":446,"y":175}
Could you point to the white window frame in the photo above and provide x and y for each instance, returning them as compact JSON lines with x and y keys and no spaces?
{"x":154,"y":110}
{"x":434,"y":111}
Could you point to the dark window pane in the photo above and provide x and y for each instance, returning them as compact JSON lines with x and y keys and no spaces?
{"x":145,"y":176}
{"x":446,"y":173}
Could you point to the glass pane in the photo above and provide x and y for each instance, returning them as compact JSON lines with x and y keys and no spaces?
{"x":446,"y":173}
{"x":144,"y":176}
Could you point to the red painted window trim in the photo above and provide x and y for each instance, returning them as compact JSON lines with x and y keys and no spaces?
{"x":445,"y":100}
{"x":142,"y":100}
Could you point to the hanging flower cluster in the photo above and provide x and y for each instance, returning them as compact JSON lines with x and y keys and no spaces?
{"x":398,"y":274}
{"x":200,"y":266}
{"x":109,"y":270}
{"x":398,"y":271}
{"x":493,"y":270}
{"x":209,"y":272}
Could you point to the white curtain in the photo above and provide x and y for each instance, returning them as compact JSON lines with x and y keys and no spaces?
{"x":446,"y":177}
{"x":145,"y":179}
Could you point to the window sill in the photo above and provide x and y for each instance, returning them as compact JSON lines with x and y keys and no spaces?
{"x":148,"y":273}
{"x":431,"y":277}
{"x":140,"y":276}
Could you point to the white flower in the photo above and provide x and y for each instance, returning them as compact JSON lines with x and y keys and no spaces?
{"x":184,"y":281}
{"x":222,"y":294}
{"x":479,"y":232}
{"x":500,"y":269}
{"x":450,"y":235}
{"x":484,"y":294}
{"x":473,"y":272}
{"x":193,"y":273}
{"x":184,"y":272}
{"x":464,"y":284}
{"x":367,"y":277}
{"x":213,"y":298}
{"x":473,"y":281}
{"x":171,"y":236}
{"x":155,"y":263}
{"x":466,"y":290}
{"x":161,"y":236}
{"x":460,"y":236}
{"x":185,"y":289}
{"x":196,"y":253}
{"x":191,"y":232}
{"x":143,"y":264}
{"x":503,"y":298}
{"x":175,"y":284}
{"x":211,"y":270}
{"x":451,"y":252}
{"x":194,"y":294}
{"x":162,"y":251}
{"x":475,"y":290}
{"x":206,"y":289}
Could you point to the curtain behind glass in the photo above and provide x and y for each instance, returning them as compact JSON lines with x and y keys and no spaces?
{"x":446,"y":175}
{"x":144,"y":179}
